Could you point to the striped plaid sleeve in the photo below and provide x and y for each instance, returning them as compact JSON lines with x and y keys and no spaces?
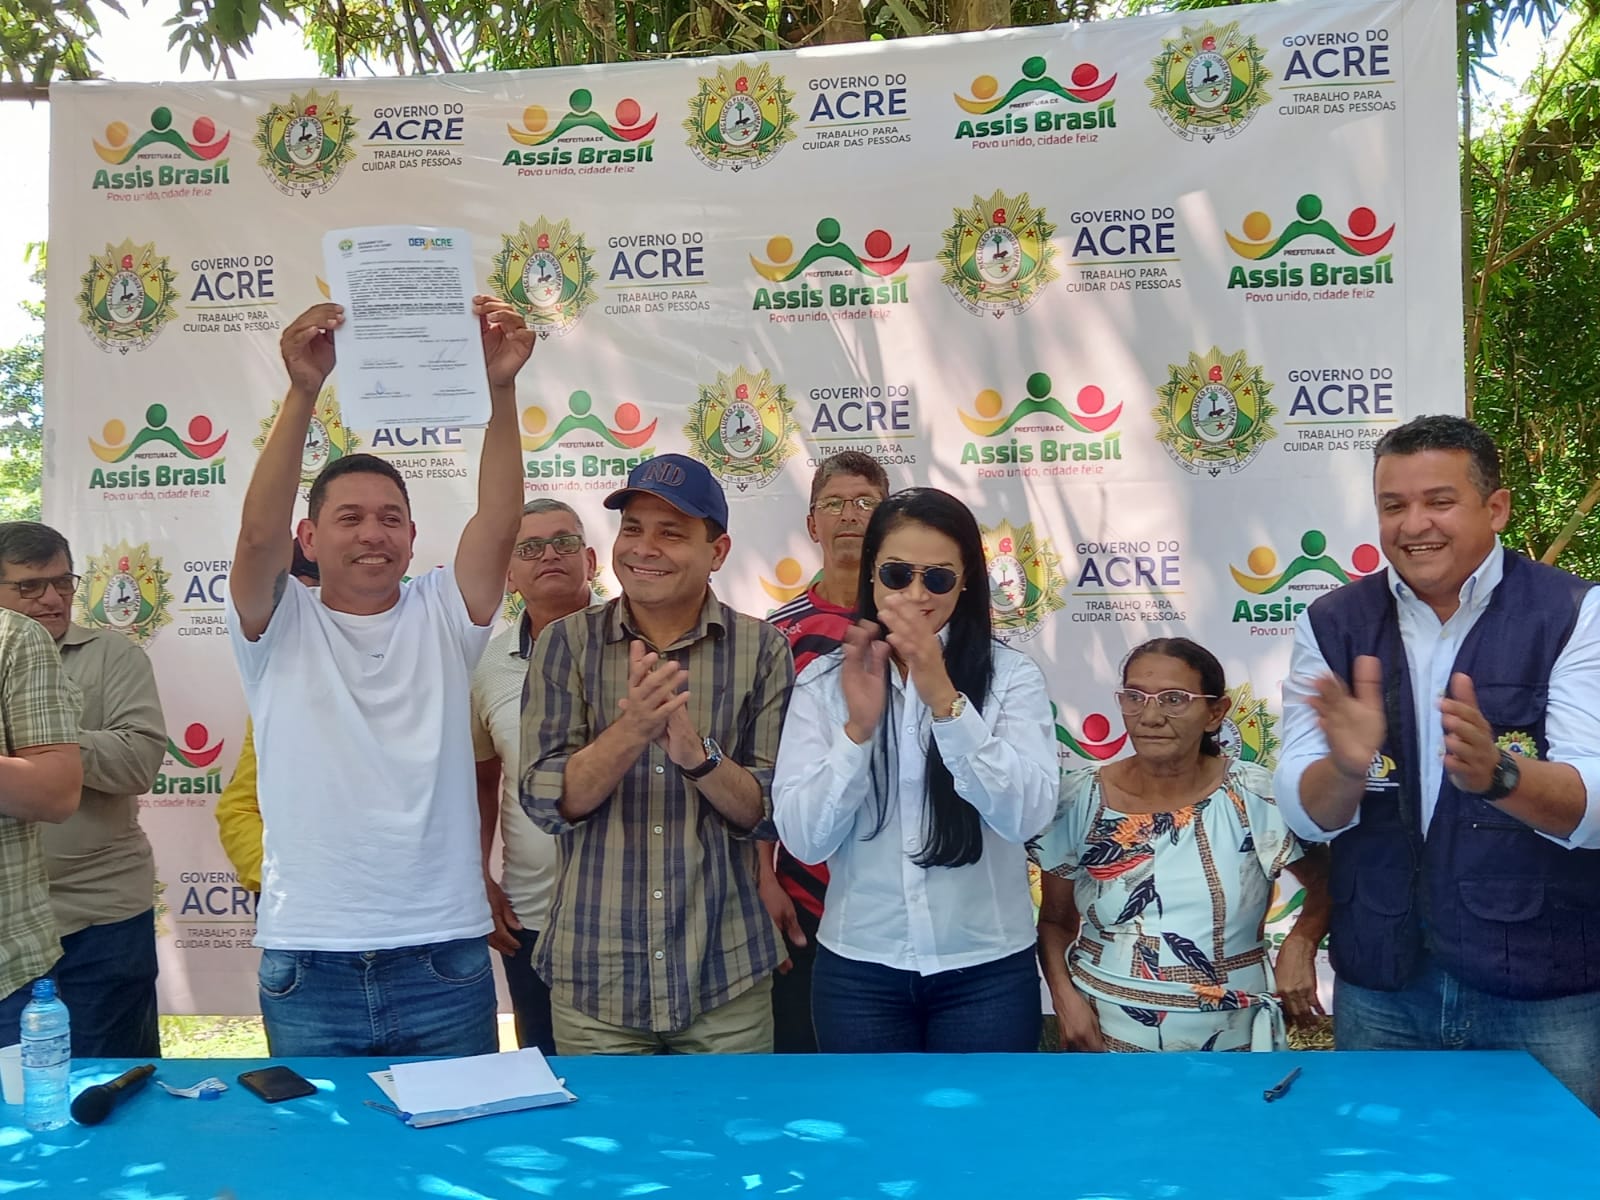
{"x":555,"y":723}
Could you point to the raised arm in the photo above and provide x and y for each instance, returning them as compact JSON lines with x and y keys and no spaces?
{"x":262,"y":556}
{"x":486,"y":542}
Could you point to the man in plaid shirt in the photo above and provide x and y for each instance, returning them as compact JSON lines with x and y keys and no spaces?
{"x":41,"y":775}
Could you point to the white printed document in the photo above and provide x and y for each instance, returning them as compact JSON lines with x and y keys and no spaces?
{"x":409,"y":351}
{"x":457,"y":1089}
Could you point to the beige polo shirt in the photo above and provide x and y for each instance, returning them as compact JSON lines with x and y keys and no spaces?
{"x":99,"y":861}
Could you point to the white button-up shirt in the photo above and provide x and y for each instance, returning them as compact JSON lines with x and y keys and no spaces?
{"x":1572,"y":717}
{"x":881,"y":906}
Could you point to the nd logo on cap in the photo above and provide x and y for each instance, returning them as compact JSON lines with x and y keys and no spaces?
{"x":657,"y":471}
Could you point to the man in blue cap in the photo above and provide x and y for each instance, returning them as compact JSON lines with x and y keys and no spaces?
{"x":649,"y":734}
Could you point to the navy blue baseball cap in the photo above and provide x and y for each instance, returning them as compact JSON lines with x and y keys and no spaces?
{"x":682,"y":482}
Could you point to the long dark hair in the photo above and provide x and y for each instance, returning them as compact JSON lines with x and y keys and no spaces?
{"x":1213,"y":682}
{"x":953,"y":832}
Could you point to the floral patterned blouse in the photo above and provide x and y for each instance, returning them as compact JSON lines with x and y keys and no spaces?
{"x":1170,"y":951}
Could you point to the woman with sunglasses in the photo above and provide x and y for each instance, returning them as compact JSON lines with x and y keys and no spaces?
{"x":916,"y":761}
{"x":1158,"y":874}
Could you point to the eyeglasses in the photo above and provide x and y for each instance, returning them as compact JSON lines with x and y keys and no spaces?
{"x":834,"y":505}
{"x":897,"y":576}
{"x":32,"y":589}
{"x":565,"y":543}
{"x":1171,"y":702}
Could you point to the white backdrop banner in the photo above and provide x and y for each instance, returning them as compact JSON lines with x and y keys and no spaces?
{"x":1143,"y":293}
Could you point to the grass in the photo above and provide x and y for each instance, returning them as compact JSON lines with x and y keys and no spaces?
{"x":243,"y":1037}
{"x":213,"y":1037}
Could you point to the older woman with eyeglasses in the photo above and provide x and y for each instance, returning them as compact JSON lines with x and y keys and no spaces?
{"x":1157,"y":876}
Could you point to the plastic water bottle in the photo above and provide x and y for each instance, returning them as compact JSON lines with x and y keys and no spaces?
{"x":46,"y":1059}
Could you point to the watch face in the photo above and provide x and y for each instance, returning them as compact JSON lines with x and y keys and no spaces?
{"x":1507,"y":774}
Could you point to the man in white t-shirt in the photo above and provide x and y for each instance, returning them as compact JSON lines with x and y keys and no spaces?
{"x":553,"y":570}
{"x":373,"y":917}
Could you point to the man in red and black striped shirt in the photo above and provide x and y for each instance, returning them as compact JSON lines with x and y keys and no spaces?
{"x":844,"y":491}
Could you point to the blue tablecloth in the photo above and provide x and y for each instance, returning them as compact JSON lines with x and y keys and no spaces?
{"x":1129,"y":1127}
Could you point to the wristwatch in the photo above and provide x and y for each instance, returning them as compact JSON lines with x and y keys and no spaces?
{"x":1507,"y":774}
{"x":957,"y":707}
{"x":713,"y":757}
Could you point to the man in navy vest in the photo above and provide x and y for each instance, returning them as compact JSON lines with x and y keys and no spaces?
{"x":1442,"y":731}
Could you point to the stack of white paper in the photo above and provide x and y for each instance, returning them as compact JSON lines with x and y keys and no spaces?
{"x":456,"y":1089}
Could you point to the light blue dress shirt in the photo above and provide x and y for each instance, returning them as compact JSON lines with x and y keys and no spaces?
{"x":1572,"y":717}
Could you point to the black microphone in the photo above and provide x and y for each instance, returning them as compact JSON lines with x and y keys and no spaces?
{"x":94,"y":1104}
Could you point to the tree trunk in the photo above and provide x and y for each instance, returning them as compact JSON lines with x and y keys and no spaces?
{"x":601,"y":18}
{"x":843,"y":21}
{"x":970,"y":16}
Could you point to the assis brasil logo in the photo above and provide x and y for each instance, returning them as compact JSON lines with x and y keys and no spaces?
{"x":788,"y":582}
{"x":157,"y":441}
{"x":593,"y":139}
{"x":124,"y":588}
{"x":327,"y":438}
{"x":1032,"y":104}
{"x":126,"y":297}
{"x":1041,"y":428}
{"x":1094,"y":741}
{"x":306,"y":143}
{"x":1310,"y":233}
{"x":1026,"y":583}
{"x":878,"y":261}
{"x":544,"y":271}
{"x":1208,"y":80}
{"x":1214,"y":415}
{"x":191,"y":769}
{"x":160,"y":141}
{"x":1312,"y":571}
{"x":998,"y":255}
{"x":581,"y":443}
{"x":743,"y":427}
{"x":740,"y":117}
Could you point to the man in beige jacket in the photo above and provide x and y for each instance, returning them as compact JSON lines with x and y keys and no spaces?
{"x":102,"y":872}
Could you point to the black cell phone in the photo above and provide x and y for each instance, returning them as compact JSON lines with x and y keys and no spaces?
{"x":273,"y":1084}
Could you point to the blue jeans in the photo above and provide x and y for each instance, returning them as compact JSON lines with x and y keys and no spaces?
{"x":107,"y":980}
{"x":867,"y":1008}
{"x":1438,"y":1012}
{"x":530,"y":995}
{"x":436,"y":999}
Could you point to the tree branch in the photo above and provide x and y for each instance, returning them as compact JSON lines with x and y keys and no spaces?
{"x":1573,"y":523}
{"x":434,"y":39}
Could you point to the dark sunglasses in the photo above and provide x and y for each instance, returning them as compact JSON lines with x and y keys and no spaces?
{"x":897,"y":576}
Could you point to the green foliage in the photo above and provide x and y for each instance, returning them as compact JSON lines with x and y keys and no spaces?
{"x":1534,"y":354}
{"x":41,"y":41}
{"x":22,"y":413}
